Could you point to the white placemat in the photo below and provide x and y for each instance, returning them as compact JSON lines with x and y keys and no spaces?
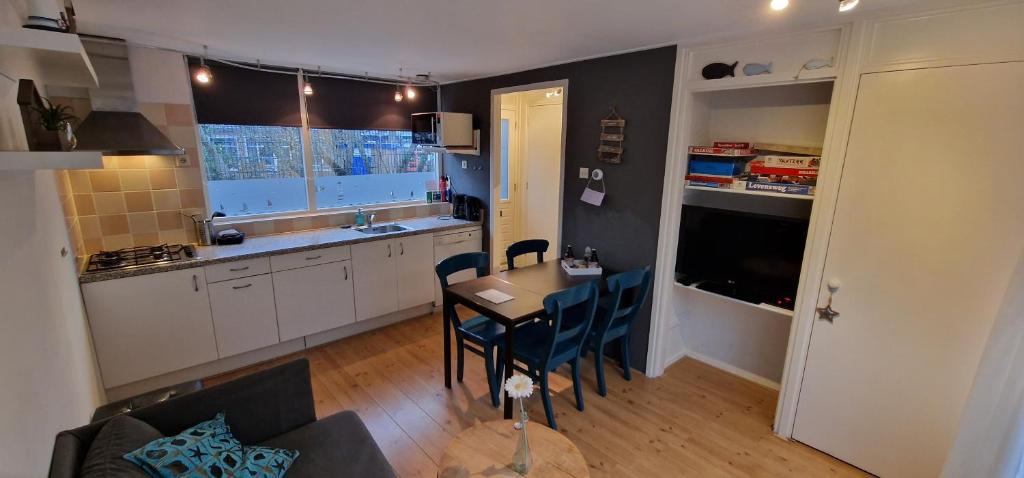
{"x":495,"y":296}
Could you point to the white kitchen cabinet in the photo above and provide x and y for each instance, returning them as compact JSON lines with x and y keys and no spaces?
{"x":376,"y":284}
{"x":150,"y":325}
{"x":314,"y":299}
{"x":244,"y":315}
{"x":415,"y":270}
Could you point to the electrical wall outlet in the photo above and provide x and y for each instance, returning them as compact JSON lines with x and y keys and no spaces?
{"x":584,"y":173}
{"x":464,"y":164}
{"x":181,"y":161}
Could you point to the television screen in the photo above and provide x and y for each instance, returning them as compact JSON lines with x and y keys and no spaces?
{"x":750,"y":257}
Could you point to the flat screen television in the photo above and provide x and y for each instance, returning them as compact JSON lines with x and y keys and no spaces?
{"x":750,"y":257}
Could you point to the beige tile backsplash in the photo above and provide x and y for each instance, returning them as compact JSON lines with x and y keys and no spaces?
{"x":142,"y":200}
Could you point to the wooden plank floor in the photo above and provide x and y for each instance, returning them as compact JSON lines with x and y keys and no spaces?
{"x":695,"y":420}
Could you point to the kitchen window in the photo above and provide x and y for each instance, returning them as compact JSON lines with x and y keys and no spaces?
{"x":352,"y":149}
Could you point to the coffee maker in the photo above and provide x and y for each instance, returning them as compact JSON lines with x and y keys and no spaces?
{"x":466,"y":207}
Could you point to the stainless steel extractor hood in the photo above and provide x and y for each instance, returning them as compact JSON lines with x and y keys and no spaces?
{"x":115,"y":125}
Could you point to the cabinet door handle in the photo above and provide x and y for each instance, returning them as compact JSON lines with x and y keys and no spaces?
{"x":236,"y":287}
{"x":346,"y":272}
{"x":195,"y":282}
{"x":239,"y":269}
{"x":401,"y":248}
{"x":389,"y":250}
{"x":313,"y":258}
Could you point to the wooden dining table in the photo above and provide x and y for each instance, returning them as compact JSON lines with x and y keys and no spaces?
{"x":528,"y":285}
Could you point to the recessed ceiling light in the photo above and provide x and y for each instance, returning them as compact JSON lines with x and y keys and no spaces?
{"x":779,"y":4}
{"x":847,"y":5}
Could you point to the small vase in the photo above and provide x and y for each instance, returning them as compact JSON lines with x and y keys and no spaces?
{"x":66,"y":135}
{"x":521,"y":461}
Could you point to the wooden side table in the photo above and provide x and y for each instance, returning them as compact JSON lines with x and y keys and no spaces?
{"x":486,"y":449}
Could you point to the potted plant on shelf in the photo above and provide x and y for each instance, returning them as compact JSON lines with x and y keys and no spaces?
{"x":56,"y":120}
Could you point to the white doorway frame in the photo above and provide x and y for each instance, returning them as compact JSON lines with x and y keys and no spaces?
{"x":495,"y":161}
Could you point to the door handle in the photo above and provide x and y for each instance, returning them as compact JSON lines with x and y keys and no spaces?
{"x":313,"y":258}
{"x":389,"y":250}
{"x":401,"y":248}
{"x":346,"y":272}
{"x":236,"y":287}
{"x":239,"y":269}
{"x":195,"y":282}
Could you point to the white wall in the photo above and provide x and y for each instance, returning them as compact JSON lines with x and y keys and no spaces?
{"x":47,"y":366}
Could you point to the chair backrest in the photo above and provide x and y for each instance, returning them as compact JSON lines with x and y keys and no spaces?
{"x":628,"y":292}
{"x":570,"y":313}
{"x":540,"y":246}
{"x":457,"y":263}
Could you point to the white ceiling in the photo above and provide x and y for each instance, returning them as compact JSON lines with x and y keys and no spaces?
{"x":453,"y":39}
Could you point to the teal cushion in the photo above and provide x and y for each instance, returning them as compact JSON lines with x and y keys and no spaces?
{"x":209,"y":449}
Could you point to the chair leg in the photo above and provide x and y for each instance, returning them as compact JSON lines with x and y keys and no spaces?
{"x":545,"y":396}
{"x":460,"y":359}
{"x":577,"y":385}
{"x":602,"y":387}
{"x":492,"y":380}
{"x":624,"y":345}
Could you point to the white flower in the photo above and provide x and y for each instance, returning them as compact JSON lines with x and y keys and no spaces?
{"x":519,"y":386}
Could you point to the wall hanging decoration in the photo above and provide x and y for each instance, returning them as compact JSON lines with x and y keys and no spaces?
{"x":613,"y":133}
{"x":715,"y":71}
{"x":754,"y":69}
{"x":591,"y":195}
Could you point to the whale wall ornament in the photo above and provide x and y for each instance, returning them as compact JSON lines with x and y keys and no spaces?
{"x":754,"y":69}
{"x":715,"y":71}
{"x":814,"y":64}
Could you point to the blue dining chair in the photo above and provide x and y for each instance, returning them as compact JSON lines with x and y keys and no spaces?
{"x":479,"y":331}
{"x":545,"y":345}
{"x":627,"y":292}
{"x":540,"y":246}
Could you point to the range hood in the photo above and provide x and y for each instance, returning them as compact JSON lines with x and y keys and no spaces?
{"x":115,"y":125}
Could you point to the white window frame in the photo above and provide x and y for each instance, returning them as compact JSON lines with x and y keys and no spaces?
{"x":307,"y":162}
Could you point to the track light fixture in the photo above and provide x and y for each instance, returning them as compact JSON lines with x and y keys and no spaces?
{"x":847,"y":5}
{"x":409,"y":91}
{"x":203,"y":73}
{"x":398,"y":94}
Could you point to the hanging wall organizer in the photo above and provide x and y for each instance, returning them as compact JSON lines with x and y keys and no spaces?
{"x":613,"y":133}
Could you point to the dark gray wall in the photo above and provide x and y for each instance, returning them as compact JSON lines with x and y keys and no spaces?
{"x":625,"y":228}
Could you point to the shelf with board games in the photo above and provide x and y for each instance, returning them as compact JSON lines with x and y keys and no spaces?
{"x":772,"y":170}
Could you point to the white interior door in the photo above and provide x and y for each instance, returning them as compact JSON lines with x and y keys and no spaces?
{"x":507,"y":183}
{"x":541,"y":174}
{"x":928,"y":226}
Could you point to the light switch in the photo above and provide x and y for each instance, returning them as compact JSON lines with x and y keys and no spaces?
{"x":584,"y":173}
{"x":464,"y":164}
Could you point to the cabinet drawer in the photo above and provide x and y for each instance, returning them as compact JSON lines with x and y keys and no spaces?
{"x":244,"y":316}
{"x":237,"y":269}
{"x":295,"y":260}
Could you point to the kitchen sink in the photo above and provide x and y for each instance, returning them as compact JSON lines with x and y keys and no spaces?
{"x":384,"y":229}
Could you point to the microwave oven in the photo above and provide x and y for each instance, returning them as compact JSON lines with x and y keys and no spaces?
{"x":443,"y":129}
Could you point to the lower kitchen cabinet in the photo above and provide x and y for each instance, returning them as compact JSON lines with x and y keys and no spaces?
{"x":314,"y":299}
{"x":376,"y":278}
{"x":244,"y":315}
{"x":415,"y":264}
{"x":149,"y":325}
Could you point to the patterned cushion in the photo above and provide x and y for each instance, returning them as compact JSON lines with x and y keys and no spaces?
{"x":210,"y":450}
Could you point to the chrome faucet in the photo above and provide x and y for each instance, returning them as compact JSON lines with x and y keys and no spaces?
{"x":369,"y":221}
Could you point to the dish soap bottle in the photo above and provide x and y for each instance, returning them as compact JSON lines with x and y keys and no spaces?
{"x":360,"y":218}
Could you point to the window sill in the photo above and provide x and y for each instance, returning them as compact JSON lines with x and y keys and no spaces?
{"x":332,"y":217}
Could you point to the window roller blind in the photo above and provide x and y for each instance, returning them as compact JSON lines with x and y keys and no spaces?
{"x":352,"y":104}
{"x":240,"y":96}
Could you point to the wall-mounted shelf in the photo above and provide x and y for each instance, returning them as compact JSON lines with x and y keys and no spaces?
{"x":34,"y":160}
{"x":474,"y":151}
{"x":782,"y":78}
{"x":751,"y":193}
{"x":49,"y":58}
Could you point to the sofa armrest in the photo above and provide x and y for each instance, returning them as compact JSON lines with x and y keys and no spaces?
{"x":258,"y":406}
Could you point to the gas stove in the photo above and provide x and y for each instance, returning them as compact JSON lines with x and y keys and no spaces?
{"x":139,"y":256}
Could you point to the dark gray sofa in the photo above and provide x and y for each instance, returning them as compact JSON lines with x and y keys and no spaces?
{"x":273,"y":407}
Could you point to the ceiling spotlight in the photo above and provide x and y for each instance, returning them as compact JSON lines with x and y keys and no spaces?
{"x":409,"y":92}
{"x":398,"y":94}
{"x":847,"y":5}
{"x":203,"y":73}
{"x":779,"y":4}
{"x":307,"y":89}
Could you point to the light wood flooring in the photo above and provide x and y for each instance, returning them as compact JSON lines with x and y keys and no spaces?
{"x":695,"y":420}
